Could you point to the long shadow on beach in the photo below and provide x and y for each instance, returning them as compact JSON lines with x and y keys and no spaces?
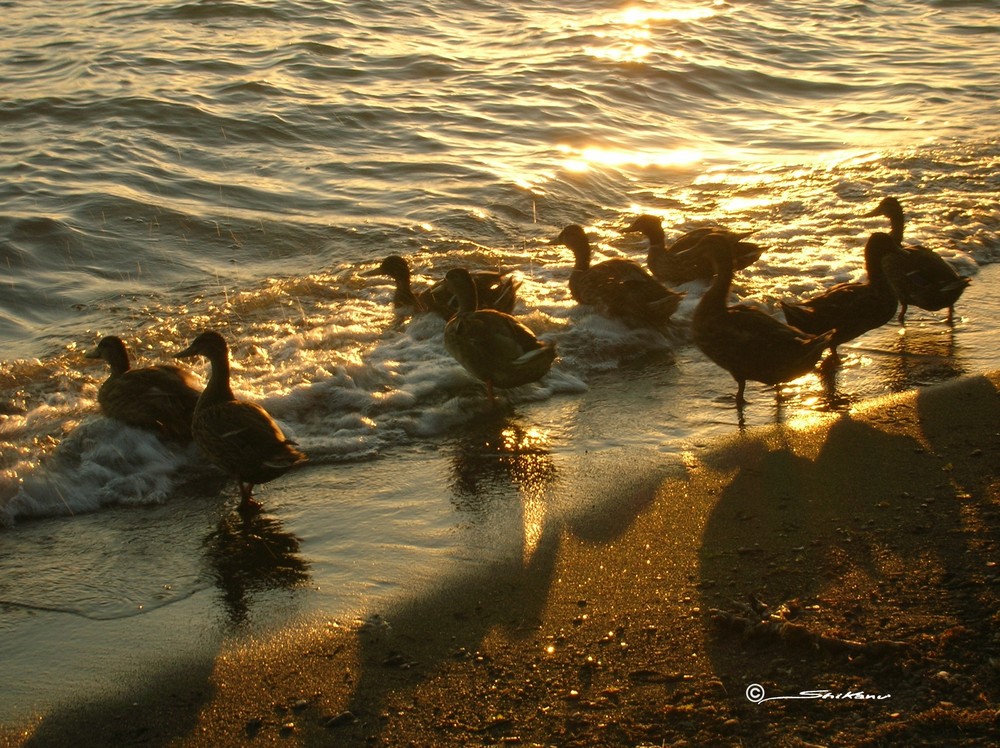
{"x":246,"y":555}
{"x":873,"y":538}
{"x":153,"y":716}
{"x":502,"y":477}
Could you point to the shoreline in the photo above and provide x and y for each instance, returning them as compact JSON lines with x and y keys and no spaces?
{"x":857,"y":554}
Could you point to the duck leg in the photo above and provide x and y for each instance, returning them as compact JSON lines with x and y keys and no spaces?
{"x":740,"y":400}
{"x":247,"y":502}
{"x":832,"y":362}
{"x":902,"y":313}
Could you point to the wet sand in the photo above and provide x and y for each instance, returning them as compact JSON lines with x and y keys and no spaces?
{"x":853,"y":556}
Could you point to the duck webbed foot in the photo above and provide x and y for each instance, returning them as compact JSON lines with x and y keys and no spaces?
{"x":830,"y":364}
{"x":248,"y":504}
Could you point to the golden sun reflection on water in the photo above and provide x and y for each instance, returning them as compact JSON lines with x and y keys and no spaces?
{"x":627,"y":41}
{"x":635,"y":15}
{"x":809,"y":417}
{"x":632,"y":51}
{"x":583,"y":159}
{"x":737,"y":204}
{"x":529,"y":446}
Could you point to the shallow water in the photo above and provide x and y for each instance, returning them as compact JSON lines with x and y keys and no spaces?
{"x":173,"y":166}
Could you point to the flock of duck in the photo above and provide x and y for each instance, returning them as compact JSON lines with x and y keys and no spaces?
{"x":483,"y":336}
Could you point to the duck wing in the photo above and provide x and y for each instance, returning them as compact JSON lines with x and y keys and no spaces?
{"x":823,"y":312}
{"x":682,"y":262}
{"x":495,"y":347}
{"x":499,"y":291}
{"x":849,"y":308}
{"x":746,"y":254}
{"x":607,"y":274}
{"x":158,"y":398}
{"x":751,"y":344}
{"x":620,"y":288}
{"x":494,"y":290}
{"x":924,"y":278}
{"x":512,"y":338}
{"x":243,"y":438}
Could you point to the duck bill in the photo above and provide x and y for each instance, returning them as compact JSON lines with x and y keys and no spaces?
{"x":872,"y":214}
{"x":92,"y":353}
{"x":371,"y":273}
{"x":188,"y":352}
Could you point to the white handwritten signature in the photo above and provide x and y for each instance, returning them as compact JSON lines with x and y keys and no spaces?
{"x":755,"y":693}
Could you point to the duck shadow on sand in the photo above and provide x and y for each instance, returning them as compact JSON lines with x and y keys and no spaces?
{"x":860,"y":557}
{"x":334,"y":685}
{"x":504,"y":479}
{"x":247,"y":555}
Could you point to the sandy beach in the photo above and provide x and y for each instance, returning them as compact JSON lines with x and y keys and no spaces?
{"x":825,"y":583}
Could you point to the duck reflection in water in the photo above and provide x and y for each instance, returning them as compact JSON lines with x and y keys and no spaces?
{"x":926,"y":355}
{"x":499,"y":464}
{"x":250,"y":554}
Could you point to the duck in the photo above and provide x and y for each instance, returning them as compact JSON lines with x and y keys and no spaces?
{"x":920,"y":276}
{"x":495,"y":290}
{"x":676,"y":264}
{"x":747,"y":342}
{"x":618,"y":288}
{"x":157,"y":398}
{"x":851,"y":309}
{"x":492,"y":346}
{"x":237,"y":435}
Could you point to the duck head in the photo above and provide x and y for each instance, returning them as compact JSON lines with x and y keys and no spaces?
{"x":209,"y":344}
{"x":112,"y":350}
{"x":574,"y":237}
{"x":393,"y":266}
{"x":889,"y":207}
{"x":463,"y":287}
{"x":649,"y":226}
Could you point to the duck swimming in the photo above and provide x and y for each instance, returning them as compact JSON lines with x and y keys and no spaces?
{"x":617,"y":287}
{"x":920,"y":276}
{"x":494,"y":290}
{"x":681,"y":261}
{"x":237,"y":435}
{"x":851,"y":309}
{"x":744,"y":341}
{"x":156,"y":398}
{"x":492,"y":346}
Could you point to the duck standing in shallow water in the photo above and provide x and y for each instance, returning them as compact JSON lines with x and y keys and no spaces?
{"x":682,"y":261}
{"x":617,"y":287}
{"x":744,"y":341}
{"x":920,"y":276}
{"x":237,"y":435}
{"x":492,"y":346}
{"x":156,"y":398}
{"x":495,"y":290}
{"x":851,"y":309}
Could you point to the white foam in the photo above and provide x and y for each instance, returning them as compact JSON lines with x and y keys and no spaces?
{"x":101,"y":462}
